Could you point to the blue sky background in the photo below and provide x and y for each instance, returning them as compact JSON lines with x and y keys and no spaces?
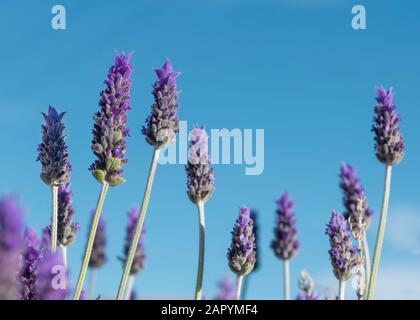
{"x":294,"y":68}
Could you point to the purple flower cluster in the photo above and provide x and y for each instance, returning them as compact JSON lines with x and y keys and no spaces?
{"x":110,"y":128}
{"x":11,"y":244}
{"x":285,"y":243}
{"x":242,"y":253}
{"x":342,"y":252}
{"x":200,"y":177}
{"x":162,"y":124}
{"x":140,"y":256}
{"x":307,"y":296}
{"x":67,"y":229}
{"x":254,"y":217}
{"x":389,"y":143}
{"x":226,"y":290}
{"x":98,"y":257}
{"x":52,"y":152}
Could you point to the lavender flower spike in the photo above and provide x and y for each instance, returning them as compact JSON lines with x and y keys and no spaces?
{"x":52,"y":152}
{"x":10,"y":246}
{"x":110,"y":128}
{"x":52,"y":277}
{"x":226,"y":290}
{"x":162,"y":124}
{"x":389,"y":143}
{"x":242,"y":252}
{"x":342,"y":252}
{"x":98,"y":257}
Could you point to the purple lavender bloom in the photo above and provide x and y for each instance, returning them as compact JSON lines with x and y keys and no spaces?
{"x":140,"y":256}
{"x":11,"y":244}
{"x":342,"y":253}
{"x":389,"y":143}
{"x":52,"y":278}
{"x":226,"y":290}
{"x":83,"y":295}
{"x":306,"y":296}
{"x":110,"y":128}
{"x":52,"y":152}
{"x":162,"y":124}
{"x":285,"y":243}
{"x":254,"y":217}
{"x":66,"y":227}
{"x":29,"y":270}
{"x":241,"y":254}
{"x":352,"y":193}
{"x":200,"y":177}
{"x":98,"y":257}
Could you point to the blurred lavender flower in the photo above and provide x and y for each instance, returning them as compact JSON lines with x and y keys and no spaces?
{"x":304,"y":296}
{"x":226,"y":290}
{"x":66,"y":227}
{"x":140,"y":256}
{"x":83,"y":295}
{"x":29,"y":270}
{"x":241,"y":254}
{"x":285,"y":244}
{"x":98,"y":257}
{"x":306,"y":285}
{"x":389,"y":143}
{"x":11,"y":244}
{"x":200,"y":177}
{"x":110,"y":128}
{"x":52,"y":278}
{"x":342,"y":253}
{"x":162,"y":124}
{"x":52,"y":152}
{"x":352,"y":191}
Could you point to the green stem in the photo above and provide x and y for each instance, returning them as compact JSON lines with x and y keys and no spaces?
{"x":341,"y":289}
{"x":200,"y":269}
{"x":139,"y":226}
{"x":64,"y":255}
{"x":91,"y":239}
{"x":367,"y":262}
{"x":239,"y":287}
{"x":286,"y":277}
{"x":380,"y":234}
{"x":54,"y":217}
{"x":129,"y":288}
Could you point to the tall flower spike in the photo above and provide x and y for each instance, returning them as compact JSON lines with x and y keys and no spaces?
{"x":200,"y":177}
{"x":98,"y":257}
{"x":48,"y":287}
{"x":285,"y":244}
{"x":66,"y":227}
{"x":140,"y":256}
{"x":162,"y":124}
{"x":52,"y":152}
{"x":254,"y":217}
{"x":110,"y":128}
{"x":389,"y":143}
{"x":10,"y":247}
{"x":226,"y":290}
{"x":29,"y":270}
{"x":342,"y":252}
{"x":241,"y":254}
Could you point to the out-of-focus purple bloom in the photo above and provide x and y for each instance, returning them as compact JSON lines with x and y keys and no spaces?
{"x":52,"y":152}
{"x":342,"y":252}
{"x":305,"y":296}
{"x":389,"y":143}
{"x":226,"y":290}
{"x":200,"y":177}
{"x":66,"y":227}
{"x":98,"y":257}
{"x":285,"y":243}
{"x":241,"y":254}
{"x":29,"y":270}
{"x":52,"y":278}
{"x":133,"y":295}
{"x":140,"y":256}
{"x":110,"y":128}
{"x":83,"y":295}
{"x":11,"y":244}
{"x":162,"y":123}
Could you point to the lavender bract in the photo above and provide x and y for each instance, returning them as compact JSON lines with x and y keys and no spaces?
{"x":254,"y":217}
{"x":52,"y":152}
{"x":200,"y":177}
{"x":162,"y":123}
{"x":140,"y":256}
{"x":226,"y":290}
{"x":98,"y":257}
{"x":285,"y":244}
{"x":11,"y":244}
{"x":110,"y":128}
{"x":342,"y":252}
{"x":241,"y":254}
{"x":389,"y":143}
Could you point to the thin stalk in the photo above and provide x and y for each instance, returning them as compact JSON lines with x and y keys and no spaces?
{"x":129,"y":287}
{"x":92,"y":281}
{"x":200,"y":268}
{"x":341,"y":289}
{"x":64,"y":255}
{"x":286,"y":277}
{"x":245,"y":286}
{"x":380,"y":234}
{"x":239,"y":287}
{"x":91,"y":239}
{"x":367,"y":260}
{"x":139,"y":226}
{"x":54,"y":217}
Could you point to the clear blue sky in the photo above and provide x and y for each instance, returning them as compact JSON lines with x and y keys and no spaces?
{"x":294,"y":68}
